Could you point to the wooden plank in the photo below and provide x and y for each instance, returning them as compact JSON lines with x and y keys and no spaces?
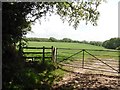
{"x":36,"y":52}
{"x":32,"y":52}
{"x":43,"y":57}
{"x":36,"y":47}
{"x":31,"y":57}
{"x":36,"y":57}
{"x":32,"y":47}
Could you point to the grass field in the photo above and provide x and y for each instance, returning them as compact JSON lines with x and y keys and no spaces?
{"x":71,"y":53}
{"x":64,"y":45}
{"x":65,"y":50}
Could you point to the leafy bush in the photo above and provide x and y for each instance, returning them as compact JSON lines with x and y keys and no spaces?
{"x":113,"y":43}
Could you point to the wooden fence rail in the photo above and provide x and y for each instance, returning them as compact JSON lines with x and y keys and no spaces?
{"x":41,"y":51}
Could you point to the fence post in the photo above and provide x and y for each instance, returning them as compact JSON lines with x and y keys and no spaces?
{"x":20,"y":47}
{"x":43,"y":58}
{"x":56,"y":54}
{"x":83,"y":59}
{"x":53,"y":54}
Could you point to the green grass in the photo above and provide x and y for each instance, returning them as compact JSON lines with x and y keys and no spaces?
{"x":64,"y":45}
{"x":54,"y":75}
{"x":65,"y":53}
{"x":37,"y":75}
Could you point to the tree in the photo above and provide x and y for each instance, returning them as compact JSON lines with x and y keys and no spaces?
{"x":96,"y":43}
{"x":17,"y":18}
{"x":112,"y":43}
{"x":118,"y":48}
{"x":67,"y":40}
{"x":52,"y":39}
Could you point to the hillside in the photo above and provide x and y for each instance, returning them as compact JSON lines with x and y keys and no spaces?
{"x":64,"y":45}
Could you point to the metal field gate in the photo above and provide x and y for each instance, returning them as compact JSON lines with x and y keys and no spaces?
{"x":98,"y":60}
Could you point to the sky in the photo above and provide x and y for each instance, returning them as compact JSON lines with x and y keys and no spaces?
{"x":107,"y":26}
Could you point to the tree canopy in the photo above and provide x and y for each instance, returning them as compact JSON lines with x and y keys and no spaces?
{"x":113,"y":43}
{"x":17,"y":18}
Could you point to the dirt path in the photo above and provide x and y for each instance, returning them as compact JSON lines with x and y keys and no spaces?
{"x":88,"y":82}
{"x":84,"y":79}
{"x":93,"y":67}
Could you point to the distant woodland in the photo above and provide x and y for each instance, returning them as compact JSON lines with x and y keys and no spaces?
{"x":113,"y":43}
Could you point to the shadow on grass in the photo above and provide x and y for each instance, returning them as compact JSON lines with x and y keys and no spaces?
{"x":34,"y":75}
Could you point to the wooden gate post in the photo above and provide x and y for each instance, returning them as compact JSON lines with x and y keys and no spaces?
{"x":54,"y":54}
{"x":83,"y":58}
{"x":43,"y":57}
